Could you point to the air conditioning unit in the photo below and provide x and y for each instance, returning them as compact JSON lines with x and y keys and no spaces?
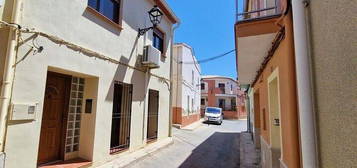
{"x":151,"y":57}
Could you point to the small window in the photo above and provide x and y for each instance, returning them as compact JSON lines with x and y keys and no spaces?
{"x":108,"y":8}
{"x":222,"y":86}
{"x":203,"y":102}
{"x":188,"y":104}
{"x":264,"y":120}
{"x":202,"y":86}
{"x":193,"y":78}
{"x":158,"y":40}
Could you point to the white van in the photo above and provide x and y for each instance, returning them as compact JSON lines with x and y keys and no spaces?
{"x":213,"y":114}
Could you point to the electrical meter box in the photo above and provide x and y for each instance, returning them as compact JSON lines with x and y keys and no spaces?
{"x":24,"y":111}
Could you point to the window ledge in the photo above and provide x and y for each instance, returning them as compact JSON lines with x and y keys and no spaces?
{"x":104,"y":18}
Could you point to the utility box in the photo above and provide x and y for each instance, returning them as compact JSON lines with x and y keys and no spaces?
{"x":2,"y":160}
{"x":23,"y":111}
{"x":151,"y":57}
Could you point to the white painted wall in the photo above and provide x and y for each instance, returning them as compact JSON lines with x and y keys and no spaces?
{"x":189,"y":87}
{"x":69,"y":20}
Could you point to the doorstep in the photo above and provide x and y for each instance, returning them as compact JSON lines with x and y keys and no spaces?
{"x":72,"y":163}
{"x":178,"y":126}
{"x":129,"y":158}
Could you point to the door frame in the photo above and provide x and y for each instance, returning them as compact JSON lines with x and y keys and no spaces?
{"x":275,"y":76}
{"x":148,"y":119}
{"x":68,"y":84}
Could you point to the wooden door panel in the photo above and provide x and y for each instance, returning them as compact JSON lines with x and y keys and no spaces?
{"x":54,"y":109}
{"x":153,"y":115}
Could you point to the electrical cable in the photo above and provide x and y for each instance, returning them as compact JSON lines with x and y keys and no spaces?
{"x":208,"y":59}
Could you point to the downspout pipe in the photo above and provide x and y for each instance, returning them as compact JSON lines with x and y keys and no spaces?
{"x":9,"y":71}
{"x":304,"y":86}
{"x":171,"y":76}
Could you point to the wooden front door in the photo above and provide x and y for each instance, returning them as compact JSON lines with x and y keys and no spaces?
{"x":153,"y":115}
{"x":54,"y":117}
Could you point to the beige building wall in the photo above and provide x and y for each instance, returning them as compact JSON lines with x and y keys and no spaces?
{"x":70,"y":20}
{"x":334,"y":66}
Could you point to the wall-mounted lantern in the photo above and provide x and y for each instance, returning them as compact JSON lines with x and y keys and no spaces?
{"x":155,"y":15}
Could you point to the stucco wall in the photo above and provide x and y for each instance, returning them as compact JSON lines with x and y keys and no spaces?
{"x":283,"y":59}
{"x":183,"y":80}
{"x":71,"y":21}
{"x":334,"y":66}
{"x":186,"y":111}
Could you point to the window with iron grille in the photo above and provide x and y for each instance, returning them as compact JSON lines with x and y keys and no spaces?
{"x":121,"y":117}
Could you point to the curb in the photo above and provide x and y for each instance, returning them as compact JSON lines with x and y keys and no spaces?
{"x":188,"y":127}
{"x":128,"y":159}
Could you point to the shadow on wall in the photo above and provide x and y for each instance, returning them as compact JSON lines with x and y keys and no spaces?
{"x":137,"y":77}
{"x":210,"y":155}
{"x":90,"y":16}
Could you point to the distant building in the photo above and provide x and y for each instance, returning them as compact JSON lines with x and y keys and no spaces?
{"x":223,"y":92}
{"x":186,"y":85}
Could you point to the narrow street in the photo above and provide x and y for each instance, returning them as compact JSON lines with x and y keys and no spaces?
{"x":206,"y":146}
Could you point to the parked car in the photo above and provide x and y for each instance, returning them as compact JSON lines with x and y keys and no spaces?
{"x":214,"y":115}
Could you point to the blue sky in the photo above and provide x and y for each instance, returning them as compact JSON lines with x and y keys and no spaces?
{"x":208,"y":26}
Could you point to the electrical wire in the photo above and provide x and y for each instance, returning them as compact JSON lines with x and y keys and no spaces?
{"x":208,"y":59}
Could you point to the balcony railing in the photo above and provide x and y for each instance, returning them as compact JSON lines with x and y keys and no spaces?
{"x":259,"y":9}
{"x":233,"y":108}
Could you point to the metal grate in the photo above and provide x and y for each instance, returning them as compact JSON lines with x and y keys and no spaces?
{"x":74,"y":115}
{"x":121,"y":117}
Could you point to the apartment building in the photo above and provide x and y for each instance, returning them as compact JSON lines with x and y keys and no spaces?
{"x":223,"y":92}
{"x":84,"y":81}
{"x":288,"y":52}
{"x":186,"y":85}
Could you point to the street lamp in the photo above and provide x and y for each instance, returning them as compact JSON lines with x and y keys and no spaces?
{"x":155,"y":15}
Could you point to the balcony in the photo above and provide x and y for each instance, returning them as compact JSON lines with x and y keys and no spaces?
{"x":232,"y":108}
{"x":247,"y":10}
{"x":255,"y":30}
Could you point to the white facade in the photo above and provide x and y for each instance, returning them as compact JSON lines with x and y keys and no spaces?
{"x":73,"y":22}
{"x":186,"y":80}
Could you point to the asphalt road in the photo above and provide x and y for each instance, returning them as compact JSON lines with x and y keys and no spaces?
{"x":208,"y":146}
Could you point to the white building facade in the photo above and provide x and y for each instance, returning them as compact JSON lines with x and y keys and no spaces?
{"x":79,"y":87}
{"x":222,"y":92}
{"x":186,"y":84}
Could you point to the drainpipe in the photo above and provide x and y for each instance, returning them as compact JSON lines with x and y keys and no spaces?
{"x":171,"y":76}
{"x":304,"y":86}
{"x":9,"y":71}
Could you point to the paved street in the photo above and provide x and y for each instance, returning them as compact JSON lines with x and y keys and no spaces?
{"x":205,"y":147}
